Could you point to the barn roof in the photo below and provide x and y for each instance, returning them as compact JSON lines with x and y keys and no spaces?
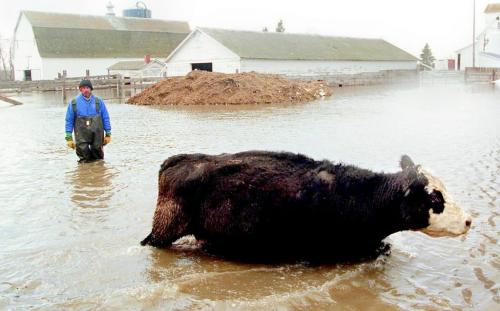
{"x":492,"y":8}
{"x":272,"y":45}
{"x":132,"y":64}
{"x":127,"y":65}
{"x":72,"y":35}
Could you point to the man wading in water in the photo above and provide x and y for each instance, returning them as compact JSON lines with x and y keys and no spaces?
{"x":88,"y":116}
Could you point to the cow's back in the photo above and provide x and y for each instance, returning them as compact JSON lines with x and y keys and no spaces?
{"x":250,"y":195}
{"x":266,"y":170}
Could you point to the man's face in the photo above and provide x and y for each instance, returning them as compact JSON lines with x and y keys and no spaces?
{"x":85,"y":90}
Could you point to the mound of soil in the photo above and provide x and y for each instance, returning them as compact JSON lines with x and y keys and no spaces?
{"x":210,"y":88}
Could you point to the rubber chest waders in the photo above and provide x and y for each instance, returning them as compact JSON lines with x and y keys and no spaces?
{"x":89,"y":134}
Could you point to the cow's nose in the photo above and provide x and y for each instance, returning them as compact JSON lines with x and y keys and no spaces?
{"x":468,"y":222}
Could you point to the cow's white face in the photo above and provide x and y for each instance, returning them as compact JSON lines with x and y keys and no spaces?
{"x":452,"y":220}
{"x":428,"y":207}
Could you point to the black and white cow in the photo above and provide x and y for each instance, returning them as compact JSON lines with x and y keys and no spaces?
{"x":283,"y":202}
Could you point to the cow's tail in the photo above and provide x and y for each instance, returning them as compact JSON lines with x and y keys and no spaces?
{"x":147,"y":240}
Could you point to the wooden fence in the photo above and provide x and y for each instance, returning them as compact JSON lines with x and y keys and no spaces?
{"x":63,"y":84}
{"x":364,"y":78}
{"x":482,"y":74}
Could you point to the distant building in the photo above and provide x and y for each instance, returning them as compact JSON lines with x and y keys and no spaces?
{"x":45,"y":44}
{"x":444,"y":64}
{"x":487,"y":43}
{"x":139,"y":68}
{"x":232,"y":51}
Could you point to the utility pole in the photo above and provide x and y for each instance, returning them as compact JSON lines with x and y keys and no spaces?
{"x":474,"y":35}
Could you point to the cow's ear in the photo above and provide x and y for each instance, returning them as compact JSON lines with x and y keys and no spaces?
{"x":406,"y":163}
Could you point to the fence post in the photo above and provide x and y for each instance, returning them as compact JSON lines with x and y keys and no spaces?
{"x":64,"y":96}
{"x":119,"y":86}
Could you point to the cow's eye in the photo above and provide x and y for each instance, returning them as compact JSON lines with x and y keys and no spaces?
{"x":437,"y":201}
{"x":436,"y":197}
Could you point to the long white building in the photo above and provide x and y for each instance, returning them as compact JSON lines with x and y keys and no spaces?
{"x":230,"y":51}
{"x":487,"y":44}
{"x":45,"y":44}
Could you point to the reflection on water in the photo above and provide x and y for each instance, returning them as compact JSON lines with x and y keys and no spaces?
{"x":70,"y":232}
{"x":91,"y":184}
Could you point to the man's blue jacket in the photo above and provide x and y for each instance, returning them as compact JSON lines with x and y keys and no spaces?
{"x":86,"y":108}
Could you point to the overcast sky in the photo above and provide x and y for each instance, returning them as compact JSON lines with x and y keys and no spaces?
{"x":445,"y":24}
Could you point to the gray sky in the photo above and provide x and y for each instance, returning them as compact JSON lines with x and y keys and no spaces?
{"x":445,"y":24}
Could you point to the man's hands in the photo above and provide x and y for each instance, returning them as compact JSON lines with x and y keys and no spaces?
{"x":107,"y":139}
{"x":69,"y":141}
{"x":71,"y":144}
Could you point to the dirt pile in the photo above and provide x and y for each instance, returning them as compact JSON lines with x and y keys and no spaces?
{"x":210,"y":88}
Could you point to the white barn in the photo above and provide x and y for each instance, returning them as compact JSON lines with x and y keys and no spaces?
{"x":487,"y":43}
{"x":45,"y":44}
{"x":230,"y":51}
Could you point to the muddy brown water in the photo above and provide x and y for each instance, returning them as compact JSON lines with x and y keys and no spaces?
{"x":70,"y":233}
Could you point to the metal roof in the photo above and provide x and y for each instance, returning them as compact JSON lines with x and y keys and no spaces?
{"x":86,"y":36}
{"x":104,"y":22}
{"x":127,"y":65}
{"x":133,"y":64}
{"x":288,"y":46}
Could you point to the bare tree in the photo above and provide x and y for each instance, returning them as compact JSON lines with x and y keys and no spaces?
{"x":11,"y":61}
{"x":3,"y":61}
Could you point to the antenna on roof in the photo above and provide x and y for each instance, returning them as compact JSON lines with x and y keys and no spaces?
{"x":110,"y":9}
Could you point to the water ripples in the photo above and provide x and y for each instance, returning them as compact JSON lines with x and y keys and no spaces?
{"x":71,"y":232}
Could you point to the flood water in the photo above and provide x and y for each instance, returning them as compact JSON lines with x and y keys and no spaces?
{"x":70,"y":233}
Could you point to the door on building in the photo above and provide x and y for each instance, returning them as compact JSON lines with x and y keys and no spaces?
{"x":201,"y":66}
{"x":27,"y":75}
{"x":458,"y":62}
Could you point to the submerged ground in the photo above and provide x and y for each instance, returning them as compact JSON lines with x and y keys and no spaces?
{"x":70,"y":233}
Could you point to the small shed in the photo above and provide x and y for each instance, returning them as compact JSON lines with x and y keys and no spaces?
{"x":445,"y":64}
{"x":140,"y":68}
